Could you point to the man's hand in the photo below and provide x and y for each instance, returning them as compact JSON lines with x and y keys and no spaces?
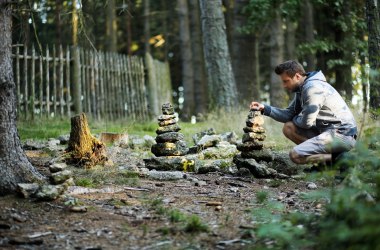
{"x":256,"y":106}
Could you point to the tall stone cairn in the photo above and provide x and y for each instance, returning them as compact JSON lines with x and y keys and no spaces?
{"x":169,"y":141}
{"x":254,"y":134}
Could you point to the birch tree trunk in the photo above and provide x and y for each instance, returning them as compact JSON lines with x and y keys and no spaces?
{"x":14,"y":165}
{"x":186,"y":57}
{"x":221,"y":83}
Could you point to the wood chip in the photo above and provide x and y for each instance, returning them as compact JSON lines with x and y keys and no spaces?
{"x":37,"y":235}
{"x":214,"y":203}
{"x":78,"y":209}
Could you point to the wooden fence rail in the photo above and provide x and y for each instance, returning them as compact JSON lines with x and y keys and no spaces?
{"x":58,"y":82}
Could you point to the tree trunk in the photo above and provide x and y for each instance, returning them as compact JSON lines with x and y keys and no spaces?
{"x":84,"y":149}
{"x":373,"y":24}
{"x":14,"y":165}
{"x":75,"y":23}
{"x":200,"y":80}
{"x":58,"y":22}
{"x":186,"y":57}
{"x":111,"y":31}
{"x":308,"y":20}
{"x":291,"y":27}
{"x":221,"y":82}
{"x":278,"y":96}
{"x":243,"y":57}
{"x":147,"y":26}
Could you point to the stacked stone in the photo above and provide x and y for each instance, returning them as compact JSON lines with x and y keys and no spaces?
{"x":254,"y":134}
{"x":169,"y":141}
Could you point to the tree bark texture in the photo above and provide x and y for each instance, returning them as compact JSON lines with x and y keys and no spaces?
{"x":84,"y":149}
{"x":14,"y":165}
{"x":373,"y":24}
{"x":278,"y":96}
{"x":221,"y":82}
{"x":186,"y":57}
{"x":200,"y":80}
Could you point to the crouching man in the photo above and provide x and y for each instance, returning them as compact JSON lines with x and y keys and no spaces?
{"x":318,"y":120}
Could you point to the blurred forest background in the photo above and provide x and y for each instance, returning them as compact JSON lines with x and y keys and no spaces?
{"x":327,"y":35}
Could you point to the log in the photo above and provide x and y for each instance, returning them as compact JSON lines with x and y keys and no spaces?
{"x":84,"y":149}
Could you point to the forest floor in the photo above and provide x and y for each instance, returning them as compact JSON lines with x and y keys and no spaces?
{"x":200,"y":211}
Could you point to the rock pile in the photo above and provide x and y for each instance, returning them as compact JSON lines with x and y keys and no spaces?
{"x":171,"y":148}
{"x":254,"y":134}
{"x":169,"y":141}
{"x":253,"y":156}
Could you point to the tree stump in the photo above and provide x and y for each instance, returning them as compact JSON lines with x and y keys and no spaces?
{"x":84,"y":149}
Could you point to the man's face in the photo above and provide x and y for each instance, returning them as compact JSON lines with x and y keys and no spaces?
{"x":291,"y":83}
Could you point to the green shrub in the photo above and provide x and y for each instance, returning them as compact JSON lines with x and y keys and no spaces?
{"x":351,"y":218}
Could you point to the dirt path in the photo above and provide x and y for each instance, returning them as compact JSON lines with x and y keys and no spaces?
{"x":200,"y":211}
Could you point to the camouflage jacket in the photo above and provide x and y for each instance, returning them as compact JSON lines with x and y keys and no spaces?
{"x":316,"y":104}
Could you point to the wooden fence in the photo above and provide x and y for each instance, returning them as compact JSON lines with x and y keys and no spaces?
{"x":59,"y":82}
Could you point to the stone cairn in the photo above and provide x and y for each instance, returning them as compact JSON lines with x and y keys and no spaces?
{"x":251,"y":148}
{"x":169,"y":141}
{"x":254,"y":134}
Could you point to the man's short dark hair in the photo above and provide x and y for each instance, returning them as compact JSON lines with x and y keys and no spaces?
{"x":290,"y":68}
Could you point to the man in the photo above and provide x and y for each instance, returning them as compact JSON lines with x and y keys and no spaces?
{"x":318,"y":120}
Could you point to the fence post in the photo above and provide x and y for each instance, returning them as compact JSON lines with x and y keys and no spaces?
{"x":76,"y":80}
{"x":152,"y":86}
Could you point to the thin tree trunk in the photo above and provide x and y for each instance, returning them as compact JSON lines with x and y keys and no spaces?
{"x":221,"y":81}
{"x":291,"y":27}
{"x":373,"y":24}
{"x":58,"y":9}
{"x":278,"y":96}
{"x":111,"y":31}
{"x":308,"y":25}
{"x":200,"y":81}
{"x":129,"y":29}
{"x":14,"y":165}
{"x":187,"y":64}
{"x":147,"y":26}
{"x":75,"y":23}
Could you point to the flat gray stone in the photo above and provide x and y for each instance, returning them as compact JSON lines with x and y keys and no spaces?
{"x":170,"y":149}
{"x":249,"y":146}
{"x":169,"y":128}
{"x":57,"y":167}
{"x":258,"y":170}
{"x":49,"y":192}
{"x":209,"y":141}
{"x":259,"y":155}
{"x":170,"y":137}
{"x":61,"y":177}
{"x":166,"y":175}
{"x":27,"y":189}
{"x":171,"y":163}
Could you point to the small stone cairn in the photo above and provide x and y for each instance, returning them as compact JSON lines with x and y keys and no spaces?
{"x":254,"y":134}
{"x":171,"y":148}
{"x":253,"y":157}
{"x":169,"y":141}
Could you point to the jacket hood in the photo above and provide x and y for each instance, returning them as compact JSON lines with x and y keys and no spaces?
{"x":315,"y":75}
{"x":311,"y":76}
